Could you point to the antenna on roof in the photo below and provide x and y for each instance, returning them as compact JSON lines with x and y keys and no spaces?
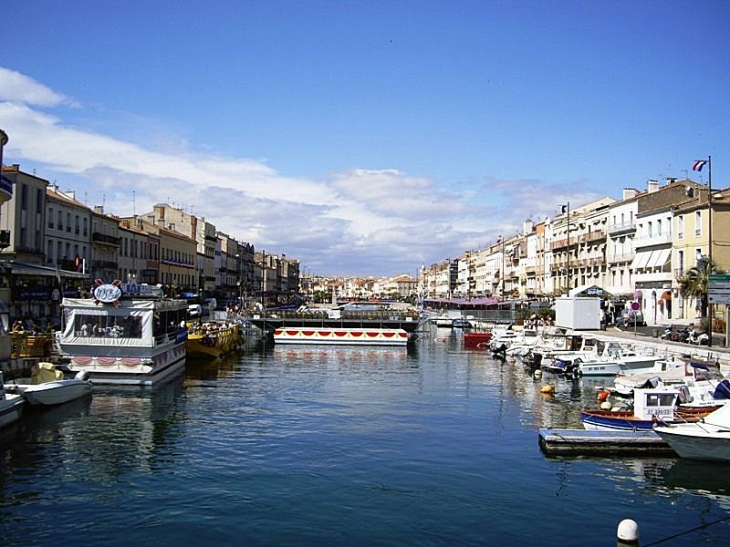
{"x":134,"y":203}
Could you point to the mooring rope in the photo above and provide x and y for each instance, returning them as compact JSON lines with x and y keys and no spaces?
{"x":700,"y":527}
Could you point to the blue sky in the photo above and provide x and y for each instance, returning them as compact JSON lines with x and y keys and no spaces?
{"x":364,"y":138}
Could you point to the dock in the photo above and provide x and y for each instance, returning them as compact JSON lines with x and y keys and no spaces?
{"x":576,"y":442}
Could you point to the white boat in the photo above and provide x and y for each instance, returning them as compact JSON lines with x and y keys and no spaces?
{"x":47,"y":386}
{"x":706,"y":439}
{"x":11,"y":406}
{"x":677,"y":372}
{"x":610,"y":358}
{"x":124,"y":334}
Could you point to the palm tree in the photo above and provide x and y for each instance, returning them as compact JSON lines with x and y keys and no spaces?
{"x":696,"y":282}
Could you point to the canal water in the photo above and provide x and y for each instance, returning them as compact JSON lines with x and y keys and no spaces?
{"x":431,"y":446}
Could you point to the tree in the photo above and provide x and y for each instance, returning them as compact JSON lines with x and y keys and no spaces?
{"x":696,"y":282}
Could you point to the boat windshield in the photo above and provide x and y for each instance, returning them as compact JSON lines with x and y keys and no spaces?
{"x":107,"y":326}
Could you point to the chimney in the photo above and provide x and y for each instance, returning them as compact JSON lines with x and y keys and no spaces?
{"x":99,"y":209}
{"x":527,"y":227}
{"x":652,"y":185}
{"x":629,"y":193}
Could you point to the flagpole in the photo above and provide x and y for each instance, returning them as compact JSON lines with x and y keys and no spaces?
{"x":568,"y":268}
{"x":709,"y":247}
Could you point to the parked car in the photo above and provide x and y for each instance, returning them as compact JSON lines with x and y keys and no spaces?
{"x":630,"y":318}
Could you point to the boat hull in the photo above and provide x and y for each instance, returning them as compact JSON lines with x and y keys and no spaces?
{"x":214,"y":344}
{"x":341,"y":337}
{"x":11,"y":409}
{"x":618,"y":420}
{"x":55,"y":393}
{"x":697,"y":446}
{"x":132,"y":371}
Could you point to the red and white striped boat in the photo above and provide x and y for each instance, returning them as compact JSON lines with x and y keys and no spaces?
{"x":341,"y":336}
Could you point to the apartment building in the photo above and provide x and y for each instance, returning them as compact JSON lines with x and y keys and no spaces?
{"x":636,"y":249}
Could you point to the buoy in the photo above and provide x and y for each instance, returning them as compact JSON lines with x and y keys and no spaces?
{"x":628,"y":532}
{"x":547,"y":389}
{"x":537,"y":373}
{"x":603,"y":395}
{"x":606,"y":405}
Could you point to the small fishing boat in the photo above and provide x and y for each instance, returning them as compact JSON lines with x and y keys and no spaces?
{"x":705,"y":439}
{"x":47,"y":386}
{"x":478,"y":339}
{"x":650,"y":407}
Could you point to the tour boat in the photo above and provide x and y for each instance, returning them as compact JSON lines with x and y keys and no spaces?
{"x":213,"y":339}
{"x":124,"y":334}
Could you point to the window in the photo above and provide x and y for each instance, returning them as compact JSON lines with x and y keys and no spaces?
{"x":680,"y":261}
{"x":649,"y":229}
{"x":698,"y":223}
{"x":658,"y":227}
{"x":680,"y":226}
{"x":50,"y":217}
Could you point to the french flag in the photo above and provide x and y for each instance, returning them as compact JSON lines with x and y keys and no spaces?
{"x":698,"y":165}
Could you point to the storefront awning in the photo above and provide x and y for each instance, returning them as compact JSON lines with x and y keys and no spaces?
{"x":23,"y":268}
{"x":659,"y":258}
{"x":641,"y":260}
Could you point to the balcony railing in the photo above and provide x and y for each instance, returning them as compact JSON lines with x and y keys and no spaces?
{"x":103,"y":238}
{"x":622,"y":227}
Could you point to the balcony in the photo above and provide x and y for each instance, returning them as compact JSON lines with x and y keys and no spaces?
{"x":594,"y":236}
{"x":621,"y":228}
{"x":104,"y":265}
{"x":98,"y":237}
{"x":618,"y":258}
{"x":650,"y":241}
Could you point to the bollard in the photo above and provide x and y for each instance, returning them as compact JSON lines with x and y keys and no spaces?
{"x":627,"y":533}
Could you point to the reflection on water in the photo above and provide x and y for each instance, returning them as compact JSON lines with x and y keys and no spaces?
{"x":432,"y":445}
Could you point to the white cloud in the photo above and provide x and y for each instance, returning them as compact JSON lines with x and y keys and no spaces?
{"x":18,"y":88}
{"x":364,"y":221}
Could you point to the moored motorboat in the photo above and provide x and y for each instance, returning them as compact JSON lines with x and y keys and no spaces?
{"x":705,"y":439}
{"x":477,"y":339}
{"x":47,"y":386}
{"x":649,"y":407}
{"x":610,"y":358}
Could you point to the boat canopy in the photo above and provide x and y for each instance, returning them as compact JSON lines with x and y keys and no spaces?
{"x":131,"y":323}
